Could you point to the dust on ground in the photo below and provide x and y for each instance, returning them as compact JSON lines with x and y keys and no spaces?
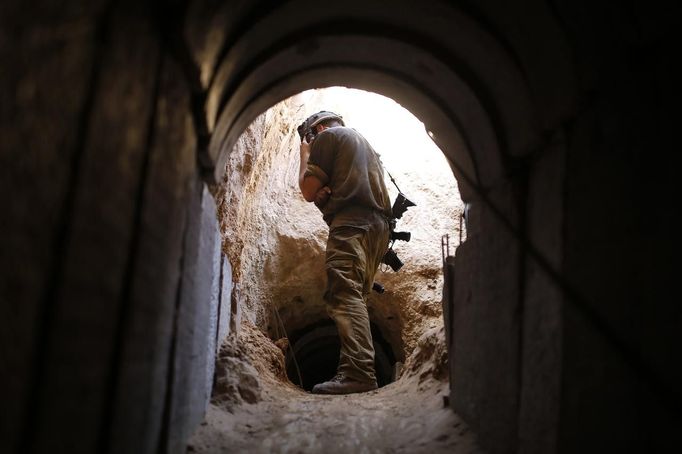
{"x":255,"y":409}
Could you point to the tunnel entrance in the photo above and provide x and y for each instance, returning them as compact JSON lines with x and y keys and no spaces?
{"x":276,"y":241}
{"x":314,"y":355}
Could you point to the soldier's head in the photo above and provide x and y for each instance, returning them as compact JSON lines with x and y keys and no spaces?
{"x":327,"y":122}
{"x":324,"y":117}
{"x":321,"y":126}
{"x":318,"y":122}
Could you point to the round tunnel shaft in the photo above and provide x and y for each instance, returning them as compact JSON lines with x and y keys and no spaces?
{"x":316,"y":353}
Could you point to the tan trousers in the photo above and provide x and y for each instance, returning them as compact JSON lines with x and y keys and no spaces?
{"x":352,"y":259}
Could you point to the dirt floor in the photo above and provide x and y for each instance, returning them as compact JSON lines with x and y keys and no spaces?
{"x":256,"y":411}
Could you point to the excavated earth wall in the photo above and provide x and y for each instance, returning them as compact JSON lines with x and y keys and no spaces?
{"x":275,"y":240}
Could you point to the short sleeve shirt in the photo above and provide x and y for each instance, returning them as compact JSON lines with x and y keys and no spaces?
{"x":342,"y":159}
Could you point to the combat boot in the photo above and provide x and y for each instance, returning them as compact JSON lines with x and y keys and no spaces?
{"x":341,"y":384}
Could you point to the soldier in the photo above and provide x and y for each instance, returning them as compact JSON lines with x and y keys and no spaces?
{"x":342,"y":174}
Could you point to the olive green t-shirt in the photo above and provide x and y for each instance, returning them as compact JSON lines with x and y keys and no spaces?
{"x":342,"y":159}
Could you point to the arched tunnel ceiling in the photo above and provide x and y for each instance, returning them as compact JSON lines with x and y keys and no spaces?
{"x":433,"y":59}
{"x":447,"y":137}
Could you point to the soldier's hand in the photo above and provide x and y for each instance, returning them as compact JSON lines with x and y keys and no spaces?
{"x":322,"y":196}
{"x":305,"y":150}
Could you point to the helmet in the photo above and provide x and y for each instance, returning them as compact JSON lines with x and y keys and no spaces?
{"x":307,"y":128}
{"x":323,"y":115}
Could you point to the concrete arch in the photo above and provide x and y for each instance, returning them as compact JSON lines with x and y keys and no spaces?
{"x":445,"y":68}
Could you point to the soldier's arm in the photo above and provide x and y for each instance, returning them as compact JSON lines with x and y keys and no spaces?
{"x":312,"y":179}
{"x":308,"y":184}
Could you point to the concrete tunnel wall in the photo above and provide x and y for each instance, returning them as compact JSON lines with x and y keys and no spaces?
{"x":561,"y":114}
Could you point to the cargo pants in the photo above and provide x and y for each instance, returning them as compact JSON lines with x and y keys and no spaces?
{"x":352,"y":258}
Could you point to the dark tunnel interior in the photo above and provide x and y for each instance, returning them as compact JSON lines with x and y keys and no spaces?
{"x":314,"y":355}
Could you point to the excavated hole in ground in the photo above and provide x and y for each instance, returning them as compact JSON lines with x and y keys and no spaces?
{"x":314,"y":353}
{"x":275,"y":242}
